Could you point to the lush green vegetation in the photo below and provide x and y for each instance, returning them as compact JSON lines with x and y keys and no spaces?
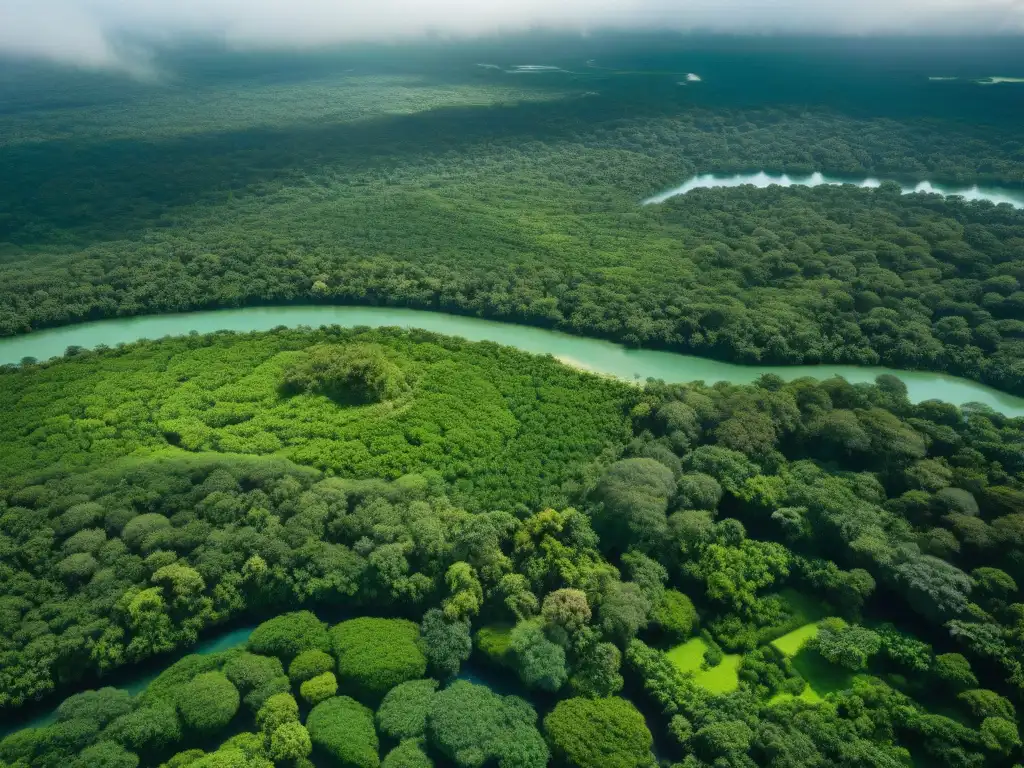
{"x":462,"y":555}
{"x":744,"y":513}
{"x":466,"y":190}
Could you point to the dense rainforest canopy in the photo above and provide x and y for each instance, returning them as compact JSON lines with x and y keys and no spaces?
{"x":782,"y":574}
{"x":447,"y":186}
{"x":419,"y":551}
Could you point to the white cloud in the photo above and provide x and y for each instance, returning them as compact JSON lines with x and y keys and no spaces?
{"x":86,"y":31}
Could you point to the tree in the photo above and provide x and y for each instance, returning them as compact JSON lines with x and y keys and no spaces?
{"x":734,"y":574}
{"x":403,"y":712}
{"x":106,"y":754}
{"x":208,"y":703}
{"x":597,"y":672}
{"x":849,"y":646}
{"x":139,"y":528}
{"x":722,"y":740}
{"x":343,"y":728}
{"x":375,"y":655}
{"x":632,"y":500}
{"x":1000,"y":735}
{"x":515,"y":589}
{"x":310,"y":664}
{"x":288,"y":635}
{"x":277,"y":710}
{"x":647,"y":573}
{"x":446,"y":643}
{"x":674,"y":615}
{"x":955,"y":671}
{"x":994,"y":587}
{"x":599,"y":733}
{"x":349,"y":374}
{"x":467,"y":593}
{"x":566,"y":611}
{"x":101,"y":707}
{"x":623,"y":612}
{"x":696,"y":490}
{"x":290,"y":742}
{"x":249,"y":671}
{"x":936,"y":589}
{"x":983,"y":704}
{"x":319,"y":688}
{"x":539,"y":662}
{"x":148,"y":728}
{"x":473,"y":727}
{"x":408,"y":754}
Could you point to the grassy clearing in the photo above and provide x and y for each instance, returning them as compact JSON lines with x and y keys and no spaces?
{"x":689,"y":656}
{"x":724,"y":678}
{"x":791,"y":643}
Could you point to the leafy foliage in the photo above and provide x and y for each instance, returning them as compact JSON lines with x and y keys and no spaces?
{"x":343,"y":728}
{"x":473,"y":726}
{"x":375,"y":655}
{"x":593,"y":733}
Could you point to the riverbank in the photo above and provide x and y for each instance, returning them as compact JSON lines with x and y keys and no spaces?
{"x":593,"y":355}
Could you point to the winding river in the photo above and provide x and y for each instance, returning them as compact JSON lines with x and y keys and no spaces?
{"x":762,"y":180}
{"x":590,"y":354}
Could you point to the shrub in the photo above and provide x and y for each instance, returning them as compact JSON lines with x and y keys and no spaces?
{"x":208,"y":702}
{"x":288,"y":635}
{"x":598,"y":733}
{"x":319,"y":688}
{"x":375,"y":655}
{"x":310,"y":664}
{"x":343,"y":728}
{"x":403,"y":713}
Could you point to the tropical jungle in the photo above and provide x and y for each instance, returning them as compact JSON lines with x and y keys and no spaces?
{"x":389,"y":548}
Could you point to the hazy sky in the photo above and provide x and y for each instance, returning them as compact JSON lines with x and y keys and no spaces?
{"x":88,"y":31}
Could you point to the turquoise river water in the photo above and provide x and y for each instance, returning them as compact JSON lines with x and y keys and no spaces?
{"x":591,"y":354}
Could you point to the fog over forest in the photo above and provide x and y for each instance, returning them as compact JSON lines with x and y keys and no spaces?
{"x":117,"y":33}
